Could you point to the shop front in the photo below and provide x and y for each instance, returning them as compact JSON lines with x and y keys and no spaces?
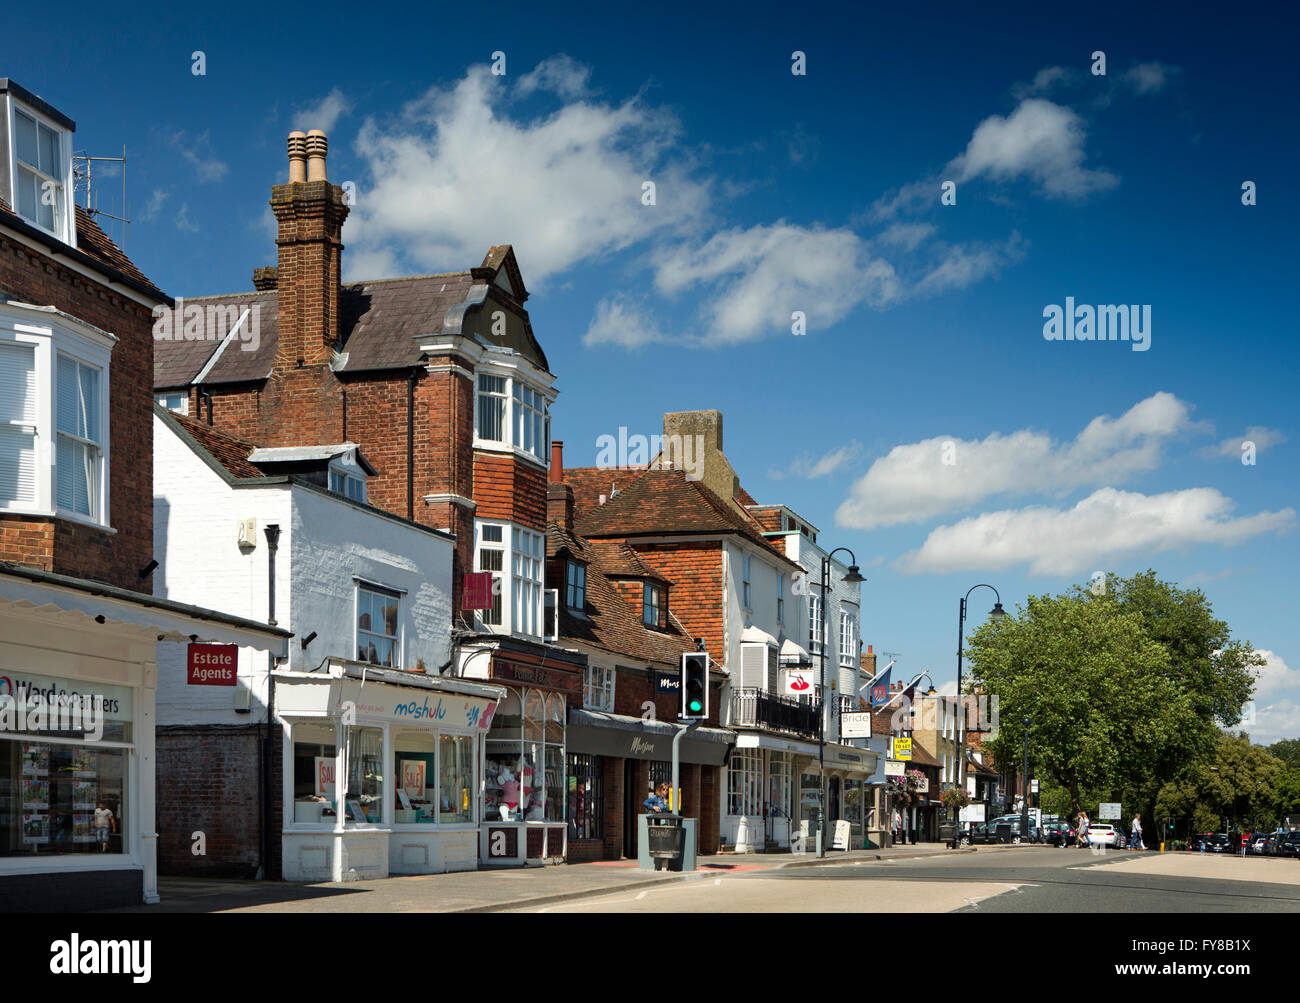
{"x":771,"y":795}
{"x":525,"y":779}
{"x":409,"y":751}
{"x":617,"y":752}
{"x":78,"y":678}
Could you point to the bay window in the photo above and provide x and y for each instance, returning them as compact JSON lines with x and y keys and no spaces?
{"x":54,"y":399}
{"x":816,"y":631}
{"x":518,"y":601}
{"x":512,"y":412}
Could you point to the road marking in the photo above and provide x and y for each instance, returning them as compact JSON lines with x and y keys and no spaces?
{"x":642,"y":895}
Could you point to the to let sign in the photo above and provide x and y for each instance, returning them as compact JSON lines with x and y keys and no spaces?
{"x":212,"y":664}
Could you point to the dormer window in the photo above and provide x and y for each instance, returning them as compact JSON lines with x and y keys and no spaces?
{"x":40,"y":170}
{"x":350,"y":483}
{"x":575,"y":585}
{"x":654,"y":606}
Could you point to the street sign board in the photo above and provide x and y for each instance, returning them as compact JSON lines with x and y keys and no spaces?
{"x":973,"y":812}
{"x":855,"y":724}
{"x":1109,"y":810}
{"x":895,"y":768}
{"x":799,"y":682}
{"x":902,"y":748}
{"x":1033,"y":787}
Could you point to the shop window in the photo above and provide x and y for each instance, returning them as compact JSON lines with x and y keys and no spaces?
{"x":415,"y":785}
{"x":365,"y":788}
{"x":524,"y":770}
{"x":377,"y":626}
{"x":314,"y":789}
{"x":744,"y":784}
{"x":586,"y":797}
{"x":455,"y":778}
{"x":62,"y":799}
{"x":778,"y":785}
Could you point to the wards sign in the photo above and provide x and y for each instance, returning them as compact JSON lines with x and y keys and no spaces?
{"x":25,"y":708}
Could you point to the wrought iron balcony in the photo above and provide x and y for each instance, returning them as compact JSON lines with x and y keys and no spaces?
{"x":756,"y":708}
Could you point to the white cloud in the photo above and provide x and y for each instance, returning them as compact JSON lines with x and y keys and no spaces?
{"x":621,"y":322}
{"x":1039,"y":140}
{"x":918,"y":481}
{"x":1148,"y":78}
{"x":154,"y":206}
{"x":761,"y":275}
{"x":827,"y":463}
{"x":1106,"y":526}
{"x":324,"y":114}
{"x":1274,"y":721}
{"x":560,"y":75}
{"x":1045,"y":80}
{"x":1275,"y":675}
{"x":963,"y":265}
{"x":1262,"y":437}
{"x":183,"y":221}
{"x":200,"y":154}
{"x":906,"y":236}
{"x":454,"y":174}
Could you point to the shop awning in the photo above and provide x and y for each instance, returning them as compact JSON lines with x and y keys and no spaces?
{"x":761,"y":740}
{"x":597,"y":733}
{"x":83,"y":600}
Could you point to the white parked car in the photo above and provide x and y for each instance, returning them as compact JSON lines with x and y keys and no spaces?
{"x":1102,"y":834}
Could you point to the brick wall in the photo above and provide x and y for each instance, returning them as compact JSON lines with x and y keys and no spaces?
{"x":695,"y":597}
{"x":69,"y":548}
{"x":209,"y":780}
{"x":510,"y":489}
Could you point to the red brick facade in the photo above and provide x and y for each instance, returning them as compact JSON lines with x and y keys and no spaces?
{"x":31,"y":276}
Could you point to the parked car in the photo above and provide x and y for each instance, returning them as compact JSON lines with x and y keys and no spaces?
{"x":1014,"y":822}
{"x":1288,"y":845}
{"x":1103,"y":834}
{"x":979,"y":832}
{"x":1220,"y":842}
{"x":1058,"y":834}
{"x":1261,"y":843}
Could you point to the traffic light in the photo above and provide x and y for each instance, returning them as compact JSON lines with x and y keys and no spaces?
{"x":695,"y":686}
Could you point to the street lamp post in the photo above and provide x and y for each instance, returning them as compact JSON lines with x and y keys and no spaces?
{"x":1024,"y":801}
{"x":959,"y":726}
{"x":854,"y":577}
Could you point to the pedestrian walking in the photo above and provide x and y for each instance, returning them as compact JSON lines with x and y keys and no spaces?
{"x":1137,"y":832}
{"x":1083,"y":829}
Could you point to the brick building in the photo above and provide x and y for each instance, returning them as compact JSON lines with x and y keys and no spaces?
{"x":440,"y":383}
{"x":79,"y":626}
{"x":613,"y":607}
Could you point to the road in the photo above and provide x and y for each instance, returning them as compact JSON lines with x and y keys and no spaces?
{"x":1012,"y":879}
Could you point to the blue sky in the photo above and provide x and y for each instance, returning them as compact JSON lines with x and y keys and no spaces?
{"x":818,"y":193}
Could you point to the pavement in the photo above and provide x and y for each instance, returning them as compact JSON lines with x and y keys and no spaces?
{"x":497,"y":890}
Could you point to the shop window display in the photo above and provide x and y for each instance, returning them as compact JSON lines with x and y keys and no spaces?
{"x":524,"y":760}
{"x":365,"y":788}
{"x":313,"y":773}
{"x":455,"y":778}
{"x":58,"y":799}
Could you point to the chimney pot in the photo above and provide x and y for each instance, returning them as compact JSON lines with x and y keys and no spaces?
{"x":265,"y":278}
{"x":317,"y":148}
{"x":557,"y":461}
{"x":297,"y":157}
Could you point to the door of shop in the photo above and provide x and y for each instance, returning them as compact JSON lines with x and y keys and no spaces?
{"x":631,"y":805}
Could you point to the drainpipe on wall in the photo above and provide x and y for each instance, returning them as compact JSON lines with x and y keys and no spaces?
{"x":272,"y":546}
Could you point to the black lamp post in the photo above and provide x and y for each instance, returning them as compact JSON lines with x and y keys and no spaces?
{"x":1024,"y":802}
{"x":854,"y":577}
{"x":996,"y":613}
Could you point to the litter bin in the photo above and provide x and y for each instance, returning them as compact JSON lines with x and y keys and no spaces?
{"x":1004,"y":832}
{"x":664,"y":838}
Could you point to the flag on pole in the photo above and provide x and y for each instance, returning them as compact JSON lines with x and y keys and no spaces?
{"x":880,"y":689}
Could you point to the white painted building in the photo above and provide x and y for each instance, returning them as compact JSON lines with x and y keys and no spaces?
{"x":368,"y":597}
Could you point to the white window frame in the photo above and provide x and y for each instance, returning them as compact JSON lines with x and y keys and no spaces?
{"x":745,"y":781}
{"x":572,"y":571}
{"x":501,"y":547}
{"x":181,"y":398}
{"x":848,"y":638}
{"x":53,"y":334}
{"x":816,"y":625}
{"x":64,"y":225}
{"x":348,"y":474}
{"x":598,"y":687}
{"x":780,"y":599}
{"x":745,"y":583}
{"x":514,"y":410}
{"x":522,"y":594}
{"x":660,"y":605}
{"x":399,"y":639}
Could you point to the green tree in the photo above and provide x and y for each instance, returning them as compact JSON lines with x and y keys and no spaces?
{"x":1099,"y":691}
{"x":1287,"y":792}
{"x":1287,"y":750}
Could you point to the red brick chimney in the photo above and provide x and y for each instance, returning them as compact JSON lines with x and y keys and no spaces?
{"x":310,"y":212}
{"x":557,"y":461}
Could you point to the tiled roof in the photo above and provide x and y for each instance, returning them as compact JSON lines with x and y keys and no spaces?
{"x":230,"y":452}
{"x":744,"y":497}
{"x":589,"y":483}
{"x":921,"y":755}
{"x":610,"y":622}
{"x":379,"y":321}
{"x":662,"y":502}
{"x":94,"y":245}
{"x":621,"y":561}
{"x":177,"y":361}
